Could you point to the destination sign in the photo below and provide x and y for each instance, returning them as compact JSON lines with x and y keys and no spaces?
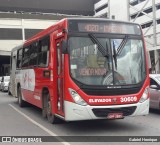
{"x":108,"y":28}
{"x":101,"y":26}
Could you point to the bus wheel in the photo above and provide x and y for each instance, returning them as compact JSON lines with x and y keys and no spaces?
{"x":51,"y":117}
{"x":21,"y":102}
{"x":44,"y":108}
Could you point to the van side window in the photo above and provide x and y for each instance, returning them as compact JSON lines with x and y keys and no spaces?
{"x":43,"y":54}
{"x":19,"y":58}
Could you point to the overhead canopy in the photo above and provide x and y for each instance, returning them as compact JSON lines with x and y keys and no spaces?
{"x":74,"y":7}
{"x":4,"y":60}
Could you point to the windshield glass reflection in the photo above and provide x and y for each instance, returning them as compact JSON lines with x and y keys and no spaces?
{"x":89,"y":66}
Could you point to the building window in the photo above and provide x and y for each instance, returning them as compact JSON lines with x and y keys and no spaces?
{"x":10,"y":34}
{"x":134,"y":3}
{"x":158,"y":21}
{"x":146,"y":25}
{"x":158,"y":7}
{"x":141,"y":1}
{"x":31,"y":32}
{"x":148,"y":10}
{"x":101,"y":8}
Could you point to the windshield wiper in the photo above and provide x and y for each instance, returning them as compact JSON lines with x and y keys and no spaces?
{"x":121,"y":46}
{"x":119,"y":49}
{"x":115,"y":55}
{"x":100,"y":46}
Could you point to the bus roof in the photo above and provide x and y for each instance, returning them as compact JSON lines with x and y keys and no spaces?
{"x":100,"y":19}
{"x":63,"y":23}
{"x":46,"y":31}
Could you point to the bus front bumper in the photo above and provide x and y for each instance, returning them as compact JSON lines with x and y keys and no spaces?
{"x":75,"y":112}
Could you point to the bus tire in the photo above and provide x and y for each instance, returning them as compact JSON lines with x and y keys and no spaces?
{"x":51,"y":117}
{"x":44,"y":107}
{"x":21,"y":102}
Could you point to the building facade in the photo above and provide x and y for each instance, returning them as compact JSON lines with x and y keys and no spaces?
{"x":147,"y":13}
{"x":21,"y":19}
{"x":13,"y":32}
{"x":144,"y":12}
{"x":110,"y":9}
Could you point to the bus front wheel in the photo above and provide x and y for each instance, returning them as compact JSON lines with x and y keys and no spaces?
{"x":51,"y":117}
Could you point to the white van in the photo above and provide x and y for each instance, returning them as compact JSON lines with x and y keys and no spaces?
{"x":4,"y":83}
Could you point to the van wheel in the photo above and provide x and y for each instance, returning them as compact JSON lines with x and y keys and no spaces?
{"x":51,"y":117}
{"x":21,"y":102}
{"x":9,"y":93}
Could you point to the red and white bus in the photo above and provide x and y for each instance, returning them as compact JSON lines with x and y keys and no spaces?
{"x":83,"y":69}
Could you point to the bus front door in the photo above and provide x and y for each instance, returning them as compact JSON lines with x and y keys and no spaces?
{"x":60,"y":76}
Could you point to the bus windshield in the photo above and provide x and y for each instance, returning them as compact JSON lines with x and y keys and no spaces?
{"x":124,"y":63}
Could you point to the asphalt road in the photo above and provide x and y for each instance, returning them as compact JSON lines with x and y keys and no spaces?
{"x":16,"y":121}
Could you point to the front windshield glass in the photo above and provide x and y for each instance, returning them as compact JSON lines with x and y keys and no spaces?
{"x":89,"y":66}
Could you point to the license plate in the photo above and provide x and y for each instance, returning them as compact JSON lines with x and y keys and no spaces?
{"x":115,"y":115}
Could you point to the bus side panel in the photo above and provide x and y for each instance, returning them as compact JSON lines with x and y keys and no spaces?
{"x":27,"y":80}
{"x":31,"y":97}
{"x":41,"y":83}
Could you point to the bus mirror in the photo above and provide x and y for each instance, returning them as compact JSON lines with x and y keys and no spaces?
{"x":64,"y":47}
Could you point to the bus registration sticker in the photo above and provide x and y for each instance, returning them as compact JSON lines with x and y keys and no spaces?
{"x":115,"y":116}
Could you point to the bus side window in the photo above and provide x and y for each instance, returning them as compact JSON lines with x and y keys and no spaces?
{"x":19,"y":58}
{"x":33,"y":54}
{"x":43,"y":54}
{"x":26,"y":57}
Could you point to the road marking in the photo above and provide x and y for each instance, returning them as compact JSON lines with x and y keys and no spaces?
{"x":39,"y":125}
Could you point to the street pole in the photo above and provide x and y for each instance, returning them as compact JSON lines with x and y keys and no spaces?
{"x":109,"y":9}
{"x":156,"y":54}
{"x":154,"y":23}
{"x":128,"y":11}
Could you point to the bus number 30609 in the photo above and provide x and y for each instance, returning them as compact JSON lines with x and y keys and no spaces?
{"x":128,"y":99}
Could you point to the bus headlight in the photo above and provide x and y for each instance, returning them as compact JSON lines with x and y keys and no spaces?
{"x":144,"y":96}
{"x":77,"y":98}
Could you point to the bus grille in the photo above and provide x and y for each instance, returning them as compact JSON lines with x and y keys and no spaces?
{"x":108,"y":92}
{"x":103,"y":112}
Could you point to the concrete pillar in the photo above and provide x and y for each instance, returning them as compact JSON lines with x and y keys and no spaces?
{"x":120,"y":9}
{"x":23,"y":32}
